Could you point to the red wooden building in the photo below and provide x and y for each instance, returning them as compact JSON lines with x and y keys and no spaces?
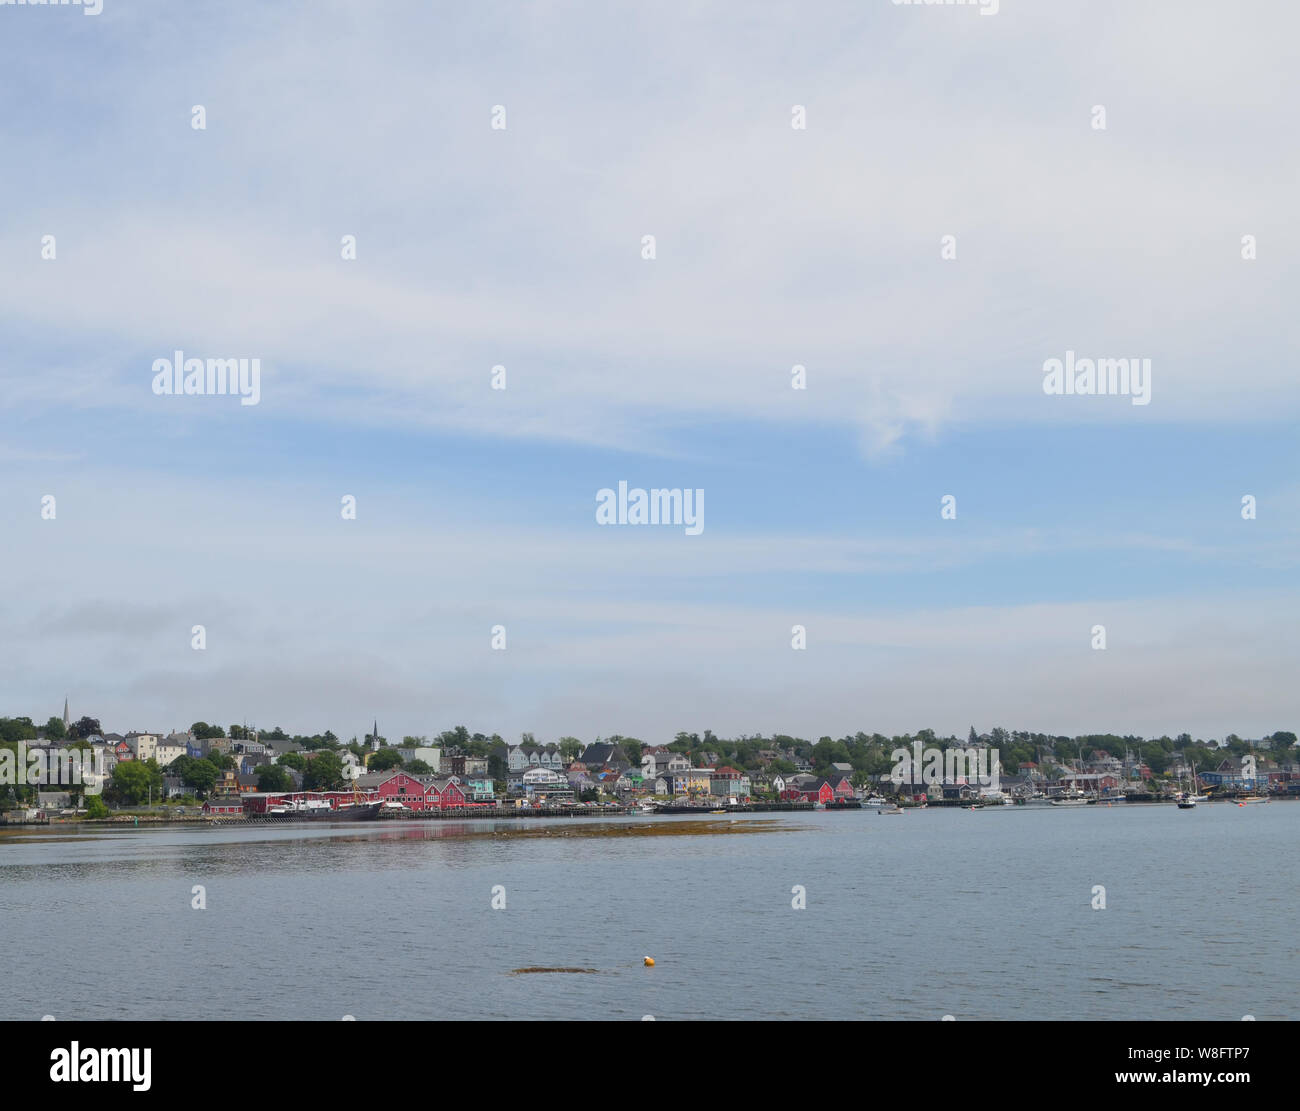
{"x":821,"y":791}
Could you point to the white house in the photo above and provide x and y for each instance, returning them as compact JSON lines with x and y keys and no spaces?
{"x":524,"y":756}
{"x":166,"y":751}
{"x":431,"y":756}
{"x":144,"y":745}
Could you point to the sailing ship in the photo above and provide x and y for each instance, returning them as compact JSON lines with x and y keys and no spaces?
{"x":301,"y":808}
{"x":1192,"y":797}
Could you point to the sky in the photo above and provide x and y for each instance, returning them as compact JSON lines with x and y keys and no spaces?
{"x":774,"y":247}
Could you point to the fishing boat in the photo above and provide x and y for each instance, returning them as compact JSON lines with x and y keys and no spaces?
{"x":1071,"y":798}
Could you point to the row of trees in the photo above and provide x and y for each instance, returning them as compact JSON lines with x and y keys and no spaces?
{"x":13,"y":730}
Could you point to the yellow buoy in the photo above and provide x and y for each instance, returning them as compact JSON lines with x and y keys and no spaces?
{"x":649,"y":962}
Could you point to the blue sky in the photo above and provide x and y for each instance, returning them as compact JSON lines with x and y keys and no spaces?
{"x":775,"y":247}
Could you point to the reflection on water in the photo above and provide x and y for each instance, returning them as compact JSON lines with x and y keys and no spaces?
{"x":946,"y":912}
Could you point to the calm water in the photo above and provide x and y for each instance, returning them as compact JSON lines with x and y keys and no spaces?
{"x":977,"y":915}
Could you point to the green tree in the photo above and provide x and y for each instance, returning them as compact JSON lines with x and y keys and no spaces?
{"x":55,"y":729}
{"x":417,"y":767}
{"x":86,"y":727}
{"x":222,"y":761}
{"x":204,"y":732}
{"x":272,"y":777}
{"x":384,"y":759}
{"x":324,"y":773}
{"x":199,"y":775}
{"x":95,"y":807}
{"x":135,"y":782}
{"x":295,"y":760}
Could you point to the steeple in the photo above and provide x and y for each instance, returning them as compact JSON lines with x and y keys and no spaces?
{"x":67,"y":719}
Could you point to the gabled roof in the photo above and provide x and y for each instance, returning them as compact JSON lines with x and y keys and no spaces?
{"x":599,"y":753}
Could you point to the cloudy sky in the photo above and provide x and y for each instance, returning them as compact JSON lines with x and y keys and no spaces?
{"x":774,"y":246}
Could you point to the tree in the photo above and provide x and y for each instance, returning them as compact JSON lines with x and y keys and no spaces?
{"x":86,"y":727}
{"x":204,"y":732}
{"x":13,"y":730}
{"x":417,"y":767}
{"x":295,"y":760}
{"x":55,"y":729}
{"x":199,"y":775}
{"x":324,"y":773}
{"x":95,"y":807}
{"x":135,"y":781}
{"x":384,"y":759}
{"x":222,"y":761}
{"x":272,"y":777}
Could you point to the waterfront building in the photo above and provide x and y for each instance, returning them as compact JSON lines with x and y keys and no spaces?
{"x":819,"y":790}
{"x":547,"y":784}
{"x":727,"y":781}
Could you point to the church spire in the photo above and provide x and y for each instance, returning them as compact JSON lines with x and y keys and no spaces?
{"x":67,"y":719}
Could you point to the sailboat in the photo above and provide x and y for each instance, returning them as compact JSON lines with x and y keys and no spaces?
{"x":1191,"y":798}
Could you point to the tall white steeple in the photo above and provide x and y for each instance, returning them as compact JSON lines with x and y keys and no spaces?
{"x":67,"y":720}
